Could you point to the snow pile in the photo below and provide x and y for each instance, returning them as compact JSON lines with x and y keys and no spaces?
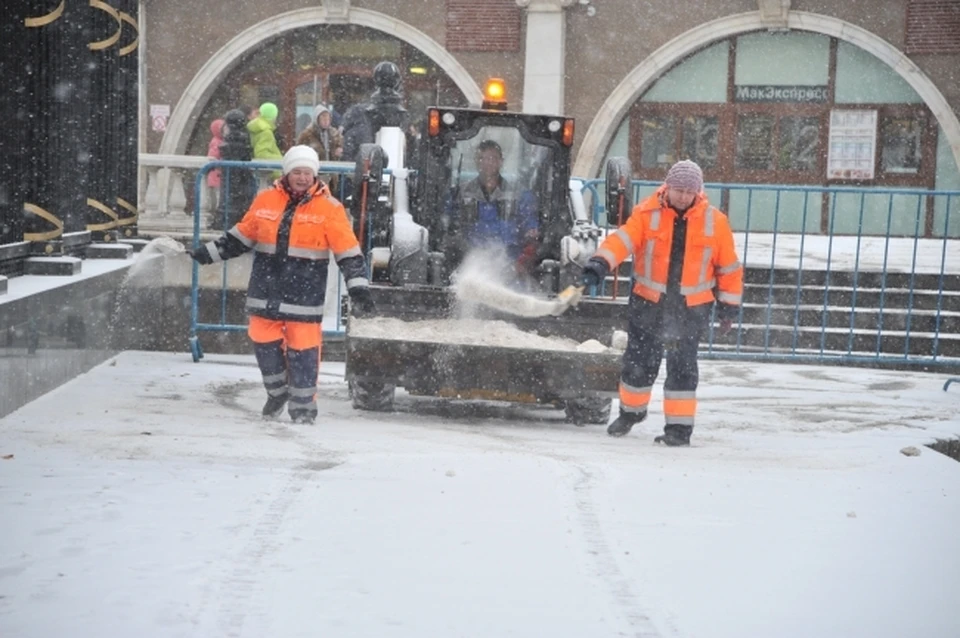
{"x":464,"y":331}
{"x":591,"y":345}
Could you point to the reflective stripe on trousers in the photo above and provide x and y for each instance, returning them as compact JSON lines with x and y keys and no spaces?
{"x":645,"y":351}
{"x":288,"y":353}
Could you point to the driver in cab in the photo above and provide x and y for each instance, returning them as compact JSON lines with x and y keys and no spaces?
{"x":489,"y":210}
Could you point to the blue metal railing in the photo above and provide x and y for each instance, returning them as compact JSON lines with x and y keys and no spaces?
{"x":222,"y":324}
{"x":814,"y":291}
{"x":861,"y":252}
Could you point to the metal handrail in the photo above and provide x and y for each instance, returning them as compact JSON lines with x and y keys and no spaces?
{"x":855,"y":273}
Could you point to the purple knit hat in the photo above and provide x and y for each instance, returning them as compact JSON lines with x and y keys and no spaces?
{"x":685,"y":175}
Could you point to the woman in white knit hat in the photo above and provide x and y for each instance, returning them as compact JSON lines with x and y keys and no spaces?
{"x":294,"y":229}
{"x":684,"y":261}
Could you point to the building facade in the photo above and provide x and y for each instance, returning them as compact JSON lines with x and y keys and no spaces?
{"x":795,"y":92}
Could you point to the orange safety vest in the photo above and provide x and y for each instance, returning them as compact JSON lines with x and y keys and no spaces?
{"x":710,"y":259}
{"x":292,"y":250}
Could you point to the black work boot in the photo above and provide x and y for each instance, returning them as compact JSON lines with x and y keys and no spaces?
{"x":675,"y":435}
{"x":625,"y":422}
{"x":275,"y":404}
{"x":303,"y":417}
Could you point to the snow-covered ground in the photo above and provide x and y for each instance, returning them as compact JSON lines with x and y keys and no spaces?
{"x":148,"y":498}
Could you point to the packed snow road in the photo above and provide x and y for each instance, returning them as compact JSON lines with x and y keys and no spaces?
{"x":149,"y":498}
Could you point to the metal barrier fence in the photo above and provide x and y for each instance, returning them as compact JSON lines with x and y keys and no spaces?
{"x":820,"y":285}
{"x":229,"y":210}
{"x":846,"y":275}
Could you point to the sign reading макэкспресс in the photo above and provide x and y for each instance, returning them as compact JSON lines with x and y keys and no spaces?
{"x":775,"y":93}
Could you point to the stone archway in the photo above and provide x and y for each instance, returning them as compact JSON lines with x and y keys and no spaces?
{"x":615,"y":107}
{"x":204,"y":83}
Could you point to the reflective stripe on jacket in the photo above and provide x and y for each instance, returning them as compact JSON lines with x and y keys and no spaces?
{"x":710,"y":259}
{"x":293,"y":246}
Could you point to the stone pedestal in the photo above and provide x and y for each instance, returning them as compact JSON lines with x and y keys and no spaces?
{"x":109,"y":251}
{"x":63,"y":266}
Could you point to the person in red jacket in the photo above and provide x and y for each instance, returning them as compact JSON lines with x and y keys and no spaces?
{"x":294,"y":229}
{"x":213,"y":152}
{"x":684,"y":260}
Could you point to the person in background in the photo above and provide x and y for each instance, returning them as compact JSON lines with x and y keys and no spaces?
{"x":356,"y":129}
{"x":326,"y":140}
{"x":261,"y":129}
{"x":684,"y":260}
{"x":414,"y":135}
{"x":293,"y":228}
{"x":335,"y":118}
{"x":238,"y":185}
{"x":303,"y":121}
{"x":213,"y":153}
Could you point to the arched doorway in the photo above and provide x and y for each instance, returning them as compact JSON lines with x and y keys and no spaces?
{"x":604,"y":128}
{"x":195,"y":97}
{"x":328,"y":64}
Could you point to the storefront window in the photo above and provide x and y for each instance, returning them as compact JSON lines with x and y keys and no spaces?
{"x":307,"y":96}
{"x":799,"y":144}
{"x":900,"y":145}
{"x":754,"y":142}
{"x":658,"y":139}
{"x":328,"y":64}
{"x":700,"y":140}
{"x":804,"y":121}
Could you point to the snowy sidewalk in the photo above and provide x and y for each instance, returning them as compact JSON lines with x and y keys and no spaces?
{"x":148,"y":498}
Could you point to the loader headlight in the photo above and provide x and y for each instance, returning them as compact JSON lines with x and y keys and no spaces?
{"x":449,"y":118}
{"x":554,"y":126}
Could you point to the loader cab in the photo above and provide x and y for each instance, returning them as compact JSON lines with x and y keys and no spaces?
{"x":525,"y":204}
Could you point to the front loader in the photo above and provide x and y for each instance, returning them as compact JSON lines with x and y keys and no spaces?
{"x":420,"y":338}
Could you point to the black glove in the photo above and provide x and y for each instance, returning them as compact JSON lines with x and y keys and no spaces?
{"x":594,"y":272}
{"x":201,"y":255}
{"x":361,"y":302}
{"x":726,"y":315}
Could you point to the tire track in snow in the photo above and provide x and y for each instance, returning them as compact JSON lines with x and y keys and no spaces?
{"x":241,"y":593}
{"x":606,"y":568}
{"x":241,"y":608}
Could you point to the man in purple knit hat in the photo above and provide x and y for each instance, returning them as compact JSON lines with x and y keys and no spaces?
{"x":684,"y":262}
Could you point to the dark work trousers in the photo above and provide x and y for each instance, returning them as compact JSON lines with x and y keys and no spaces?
{"x":304,"y":365}
{"x":273,"y":367}
{"x":673,"y":328}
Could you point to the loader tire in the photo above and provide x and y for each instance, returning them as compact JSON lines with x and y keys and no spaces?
{"x":590,"y":410}
{"x":374,"y":396}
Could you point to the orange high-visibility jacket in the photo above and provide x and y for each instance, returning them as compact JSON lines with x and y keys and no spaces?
{"x":710,"y":258}
{"x":292,"y":245}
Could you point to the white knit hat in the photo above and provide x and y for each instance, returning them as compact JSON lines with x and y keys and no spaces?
{"x":301,"y":156}
{"x":319,"y":110}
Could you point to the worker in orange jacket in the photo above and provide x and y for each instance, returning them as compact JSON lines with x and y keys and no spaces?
{"x":684,"y":260}
{"x":294,"y":229}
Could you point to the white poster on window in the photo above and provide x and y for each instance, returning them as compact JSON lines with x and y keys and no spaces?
{"x":853,"y":144}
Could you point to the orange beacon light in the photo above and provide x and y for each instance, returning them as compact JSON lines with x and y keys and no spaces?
{"x":495,"y":95}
